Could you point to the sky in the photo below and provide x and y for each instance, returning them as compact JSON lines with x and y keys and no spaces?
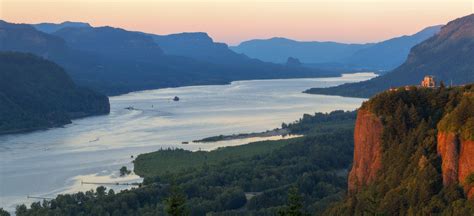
{"x":234,"y":21}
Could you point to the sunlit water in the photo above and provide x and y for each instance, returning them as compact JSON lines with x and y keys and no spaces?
{"x":46,"y":163}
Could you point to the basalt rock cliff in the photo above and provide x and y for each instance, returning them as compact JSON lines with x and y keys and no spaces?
{"x":413,"y":154}
{"x":367,"y":150}
{"x":456,"y":145}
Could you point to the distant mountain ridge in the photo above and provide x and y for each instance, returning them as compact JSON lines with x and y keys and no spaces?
{"x":448,"y":56}
{"x":278,"y":50}
{"x":199,"y":46}
{"x":109,"y":41}
{"x":52,"y":27}
{"x":389,"y":54}
{"x":384,"y":55}
{"x":24,"y":38}
{"x":115,"y":61}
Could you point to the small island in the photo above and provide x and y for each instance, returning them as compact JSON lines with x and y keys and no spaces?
{"x":124,"y":171}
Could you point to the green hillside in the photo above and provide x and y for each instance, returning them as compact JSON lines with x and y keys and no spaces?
{"x":37,"y":94}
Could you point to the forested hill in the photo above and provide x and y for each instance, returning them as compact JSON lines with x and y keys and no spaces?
{"x":448,"y":56}
{"x":36,"y":94}
{"x":413,"y":154}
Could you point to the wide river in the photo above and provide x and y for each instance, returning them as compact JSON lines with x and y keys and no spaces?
{"x":46,"y":163}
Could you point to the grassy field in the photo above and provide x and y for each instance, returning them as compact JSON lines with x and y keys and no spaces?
{"x":173,"y":161}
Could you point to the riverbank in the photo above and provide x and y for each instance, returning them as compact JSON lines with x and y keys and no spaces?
{"x":268,"y":133}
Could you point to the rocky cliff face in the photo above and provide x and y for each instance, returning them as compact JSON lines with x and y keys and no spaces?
{"x":408,"y":146}
{"x":455,"y":139}
{"x":448,"y":149}
{"x":367,"y":150}
{"x":466,"y":165}
{"x":457,"y":160}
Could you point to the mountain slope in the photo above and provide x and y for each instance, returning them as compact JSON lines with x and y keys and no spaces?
{"x":413,"y":154}
{"x":384,"y":55}
{"x":198,"y":46}
{"x":52,"y":27}
{"x":448,"y":56}
{"x":36,"y":93}
{"x":24,"y":38}
{"x":115,"y":61}
{"x":389,"y":54}
{"x":111,"y":42}
{"x":136,"y":53}
{"x":278,"y":50}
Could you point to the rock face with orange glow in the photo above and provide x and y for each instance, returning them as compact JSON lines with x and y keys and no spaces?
{"x":466,"y":164}
{"x":367,"y":150}
{"x":448,"y":146}
{"x":453,"y":142}
{"x":457,"y":160}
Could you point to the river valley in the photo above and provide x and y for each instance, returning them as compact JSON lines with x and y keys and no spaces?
{"x":50,"y":162}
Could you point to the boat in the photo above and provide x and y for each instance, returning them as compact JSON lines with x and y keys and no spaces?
{"x":185,"y":143}
{"x":97,"y":139}
{"x":176,"y":98}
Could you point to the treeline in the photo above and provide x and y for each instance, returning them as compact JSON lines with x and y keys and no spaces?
{"x":298,"y":177}
{"x":321,"y":122}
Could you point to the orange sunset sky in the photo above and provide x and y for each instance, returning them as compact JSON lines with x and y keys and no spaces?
{"x":233,"y":21}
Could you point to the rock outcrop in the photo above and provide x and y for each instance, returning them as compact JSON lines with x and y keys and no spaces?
{"x":466,"y":165}
{"x":448,"y":149}
{"x":457,"y":160}
{"x":456,"y":145}
{"x":367,"y":150}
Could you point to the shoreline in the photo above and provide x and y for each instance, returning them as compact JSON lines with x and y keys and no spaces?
{"x":268,"y":133}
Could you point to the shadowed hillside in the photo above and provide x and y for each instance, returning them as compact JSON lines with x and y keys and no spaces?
{"x":36,"y":94}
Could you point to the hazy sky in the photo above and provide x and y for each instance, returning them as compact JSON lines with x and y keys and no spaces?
{"x":233,"y":21}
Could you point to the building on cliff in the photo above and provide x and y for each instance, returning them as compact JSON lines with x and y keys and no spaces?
{"x":428,"y":82}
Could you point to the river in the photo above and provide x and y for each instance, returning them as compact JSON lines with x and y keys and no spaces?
{"x":50,"y":162}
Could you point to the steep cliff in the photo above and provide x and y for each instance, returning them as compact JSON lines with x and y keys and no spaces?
{"x":466,"y":166}
{"x":413,"y":154}
{"x":456,"y":144}
{"x":448,"y":149}
{"x":367,"y":150}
